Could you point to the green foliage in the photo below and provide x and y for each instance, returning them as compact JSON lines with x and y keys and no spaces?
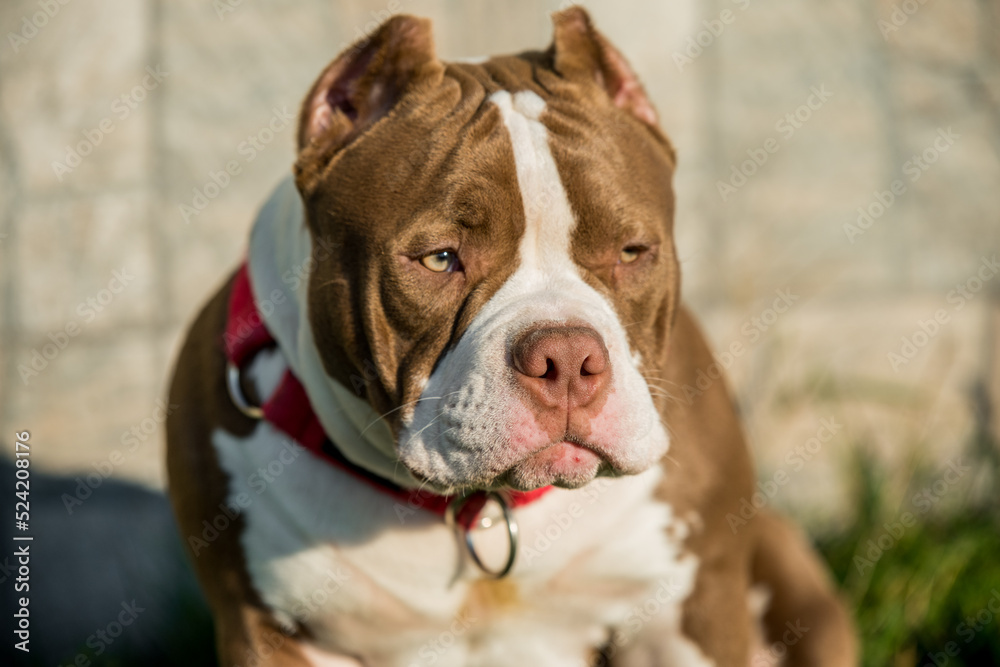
{"x":922,"y":593}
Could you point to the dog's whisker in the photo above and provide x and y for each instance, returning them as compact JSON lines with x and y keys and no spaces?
{"x":386,"y":414}
{"x":442,"y":433}
{"x":427,"y":425}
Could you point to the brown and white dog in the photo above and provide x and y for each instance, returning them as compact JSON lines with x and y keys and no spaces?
{"x":471,"y":286}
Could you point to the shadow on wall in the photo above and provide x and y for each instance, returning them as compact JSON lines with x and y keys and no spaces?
{"x":109,"y":583}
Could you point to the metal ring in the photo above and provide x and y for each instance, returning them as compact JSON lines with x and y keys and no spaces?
{"x":512,"y":534}
{"x":236,"y":393}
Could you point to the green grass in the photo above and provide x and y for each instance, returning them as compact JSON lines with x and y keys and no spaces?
{"x":913,"y":601}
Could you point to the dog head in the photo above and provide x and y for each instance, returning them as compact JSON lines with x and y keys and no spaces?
{"x":493,"y":252}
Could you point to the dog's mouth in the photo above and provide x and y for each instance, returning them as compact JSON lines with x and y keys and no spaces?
{"x":566,"y":464}
{"x":569,"y":463}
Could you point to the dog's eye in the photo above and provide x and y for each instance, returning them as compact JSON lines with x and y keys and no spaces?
{"x":630,"y":254}
{"x":442,"y":261}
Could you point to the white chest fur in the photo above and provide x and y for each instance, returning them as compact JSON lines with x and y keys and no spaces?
{"x":371,"y":578}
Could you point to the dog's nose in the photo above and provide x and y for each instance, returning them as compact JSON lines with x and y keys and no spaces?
{"x":562,"y":365}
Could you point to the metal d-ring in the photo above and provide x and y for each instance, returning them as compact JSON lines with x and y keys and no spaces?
{"x":236,"y":393}
{"x":512,"y":533}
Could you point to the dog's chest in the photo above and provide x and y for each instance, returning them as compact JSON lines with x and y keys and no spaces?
{"x":370,"y":577}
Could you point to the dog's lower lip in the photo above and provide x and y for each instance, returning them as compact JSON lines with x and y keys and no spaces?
{"x":563,"y":463}
{"x":574,"y":443}
{"x":575,"y":447}
{"x":575,"y":451}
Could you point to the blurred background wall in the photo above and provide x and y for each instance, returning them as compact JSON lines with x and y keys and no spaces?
{"x":839,"y":162}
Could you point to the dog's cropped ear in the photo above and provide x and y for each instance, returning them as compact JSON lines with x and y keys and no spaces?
{"x":364,"y":83}
{"x":580,"y":53}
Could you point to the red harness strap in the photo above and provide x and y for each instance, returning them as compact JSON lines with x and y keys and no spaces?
{"x":290,"y":411}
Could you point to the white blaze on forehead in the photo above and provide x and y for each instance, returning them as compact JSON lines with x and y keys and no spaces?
{"x":548,"y":217}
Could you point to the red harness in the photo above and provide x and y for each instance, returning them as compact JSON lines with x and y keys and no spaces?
{"x":290,"y":411}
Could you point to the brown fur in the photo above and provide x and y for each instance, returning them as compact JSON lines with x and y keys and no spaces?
{"x":423,"y":163}
{"x":198,"y":489}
